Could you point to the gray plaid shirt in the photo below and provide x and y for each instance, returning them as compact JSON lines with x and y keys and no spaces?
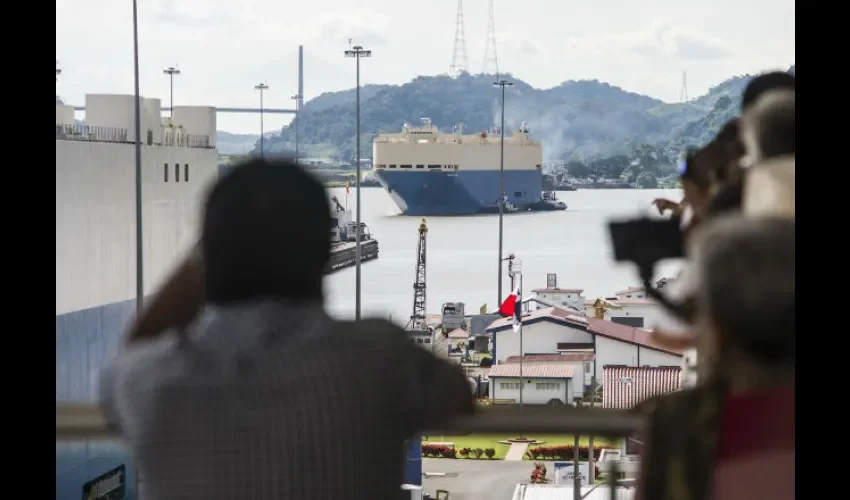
{"x":267,"y":402}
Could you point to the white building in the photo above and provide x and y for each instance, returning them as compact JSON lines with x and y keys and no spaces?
{"x":542,"y":383}
{"x":554,"y":331}
{"x":581,"y":363}
{"x":568,"y":297}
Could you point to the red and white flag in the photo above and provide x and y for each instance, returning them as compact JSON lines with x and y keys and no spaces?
{"x":512,"y":308}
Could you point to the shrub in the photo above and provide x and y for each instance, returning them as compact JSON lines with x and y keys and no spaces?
{"x":561,"y":452}
{"x":490,"y":452}
{"x":438,"y":451}
{"x":477,"y":452}
{"x":464,"y":452}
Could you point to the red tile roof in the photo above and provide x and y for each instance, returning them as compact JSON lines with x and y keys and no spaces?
{"x":624,"y":387}
{"x":553,"y":358}
{"x":543,"y":370}
{"x":627,"y":334}
{"x":622,"y":333}
{"x":553,"y":313}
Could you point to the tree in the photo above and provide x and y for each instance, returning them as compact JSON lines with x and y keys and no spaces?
{"x":647,"y":181}
{"x":578,"y":169}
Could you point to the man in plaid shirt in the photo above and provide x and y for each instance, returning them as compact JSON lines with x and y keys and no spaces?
{"x":258,"y":394}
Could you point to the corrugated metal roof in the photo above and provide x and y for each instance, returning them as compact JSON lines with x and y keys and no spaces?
{"x":624,"y":387}
{"x":545,"y":370}
{"x":553,"y":358}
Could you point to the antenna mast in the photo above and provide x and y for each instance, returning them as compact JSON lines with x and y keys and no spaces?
{"x":491,"y":59}
{"x":683,"y":94}
{"x":460,"y":61}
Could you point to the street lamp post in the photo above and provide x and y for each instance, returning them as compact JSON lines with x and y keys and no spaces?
{"x":503,"y":84}
{"x":297,"y":99}
{"x":357,"y":52}
{"x":139,"y":263}
{"x":171,"y":71}
{"x":261,"y":87}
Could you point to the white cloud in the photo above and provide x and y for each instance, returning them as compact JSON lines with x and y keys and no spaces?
{"x":662,"y":38}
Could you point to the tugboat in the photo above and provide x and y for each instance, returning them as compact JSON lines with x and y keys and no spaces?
{"x":549,"y":202}
{"x":510,"y":208}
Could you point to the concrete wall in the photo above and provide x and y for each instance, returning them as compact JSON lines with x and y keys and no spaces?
{"x":561,"y":391}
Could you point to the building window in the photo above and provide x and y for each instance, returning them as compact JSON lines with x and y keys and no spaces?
{"x":509,"y":385}
{"x":406,"y":166}
{"x":517,"y":194}
{"x":176,"y":172}
{"x":420,"y":166}
{"x":435,"y":166}
{"x":165,"y":172}
{"x":392,"y":166}
{"x":186,"y":172}
{"x":548,"y":386}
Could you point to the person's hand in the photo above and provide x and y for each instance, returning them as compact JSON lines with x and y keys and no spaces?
{"x":662,"y":205}
{"x":174,"y":306}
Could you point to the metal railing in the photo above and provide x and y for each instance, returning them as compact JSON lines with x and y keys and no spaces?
{"x":90,"y":133}
{"x":75,"y":422}
{"x":186,"y":140}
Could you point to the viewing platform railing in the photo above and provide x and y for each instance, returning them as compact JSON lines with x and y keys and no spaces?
{"x":85,"y":422}
{"x":91,"y":133}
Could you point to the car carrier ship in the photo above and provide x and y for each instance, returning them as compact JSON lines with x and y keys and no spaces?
{"x":427,"y":172}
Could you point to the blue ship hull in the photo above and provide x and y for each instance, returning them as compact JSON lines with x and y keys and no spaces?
{"x":429,"y":192}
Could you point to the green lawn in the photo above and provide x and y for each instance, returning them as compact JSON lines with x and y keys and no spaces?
{"x":484,"y":441}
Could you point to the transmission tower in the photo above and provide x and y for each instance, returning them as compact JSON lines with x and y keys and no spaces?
{"x":683,"y":95}
{"x":491,"y":59}
{"x":460,"y":61}
{"x":417,"y":319}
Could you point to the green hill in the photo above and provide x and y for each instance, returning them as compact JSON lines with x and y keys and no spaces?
{"x":578,"y":121}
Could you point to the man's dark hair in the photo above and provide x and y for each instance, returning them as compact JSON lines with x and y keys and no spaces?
{"x":266,"y":234}
{"x":775,"y":80}
{"x":746,"y":268}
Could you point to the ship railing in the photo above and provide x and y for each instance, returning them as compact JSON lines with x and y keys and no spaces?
{"x":90,"y":133}
{"x":77,"y":422}
{"x":200,"y":141}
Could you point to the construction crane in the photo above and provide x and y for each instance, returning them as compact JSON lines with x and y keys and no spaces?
{"x":417,"y":328}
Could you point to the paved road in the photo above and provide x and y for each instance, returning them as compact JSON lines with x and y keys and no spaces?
{"x":475,"y":479}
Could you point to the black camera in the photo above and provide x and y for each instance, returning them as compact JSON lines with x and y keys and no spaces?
{"x":646,"y":241}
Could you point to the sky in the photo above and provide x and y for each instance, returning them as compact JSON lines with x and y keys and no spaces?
{"x":224,"y":48}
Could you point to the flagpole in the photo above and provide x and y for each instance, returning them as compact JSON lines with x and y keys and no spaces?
{"x":521,"y":381}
